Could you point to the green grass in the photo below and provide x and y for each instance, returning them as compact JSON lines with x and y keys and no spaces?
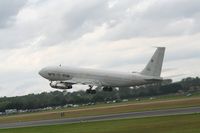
{"x":165,"y":124}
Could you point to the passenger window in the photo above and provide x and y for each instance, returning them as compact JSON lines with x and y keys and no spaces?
{"x":51,"y":74}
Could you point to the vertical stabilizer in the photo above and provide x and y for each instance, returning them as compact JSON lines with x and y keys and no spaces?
{"x":154,"y":67}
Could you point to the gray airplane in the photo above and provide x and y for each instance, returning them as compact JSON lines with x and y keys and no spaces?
{"x":62,"y":77}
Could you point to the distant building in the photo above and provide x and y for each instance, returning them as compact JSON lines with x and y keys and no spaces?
{"x":10,"y":111}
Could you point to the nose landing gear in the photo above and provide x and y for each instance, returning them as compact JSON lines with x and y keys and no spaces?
{"x":90,"y":90}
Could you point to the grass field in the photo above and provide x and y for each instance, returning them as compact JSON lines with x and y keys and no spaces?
{"x":101,"y":110}
{"x":165,"y":124}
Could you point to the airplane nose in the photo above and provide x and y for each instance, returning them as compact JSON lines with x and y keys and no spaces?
{"x":41,"y":73}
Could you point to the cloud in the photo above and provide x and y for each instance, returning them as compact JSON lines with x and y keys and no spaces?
{"x":8,"y":10}
{"x":104,"y":34}
{"x":121,"y":19}
{"x":157,"y":18}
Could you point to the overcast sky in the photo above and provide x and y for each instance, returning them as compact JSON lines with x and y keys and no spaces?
{"x":104,"y":34}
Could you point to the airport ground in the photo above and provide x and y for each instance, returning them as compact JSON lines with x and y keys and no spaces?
{"x":189,"y":123}
{"x":163,"y":102}
{"x":184,"y":123}
{"x":167,"y":123}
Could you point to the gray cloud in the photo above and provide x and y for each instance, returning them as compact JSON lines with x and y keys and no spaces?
{"x":123,"y":19}
{"x":183,"y":54}
{"x":79,"y":20}
{"x":108,"y":34}
{"x":129,"y":19}
{"x":160,"y":18}
{"x":177,"y":9}
{"x":8,"y":10}
{"x":82,"y":19}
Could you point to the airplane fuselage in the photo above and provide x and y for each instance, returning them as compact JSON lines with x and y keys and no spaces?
{"x":93,"y":77}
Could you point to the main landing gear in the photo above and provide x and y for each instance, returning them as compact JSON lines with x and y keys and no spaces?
{"x":90,"y":90}
{"x":107,"y":88}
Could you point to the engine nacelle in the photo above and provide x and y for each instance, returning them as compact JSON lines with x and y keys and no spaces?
{"x":61,"y":85}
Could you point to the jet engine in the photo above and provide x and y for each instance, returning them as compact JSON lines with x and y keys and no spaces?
{"x":61,"y":85}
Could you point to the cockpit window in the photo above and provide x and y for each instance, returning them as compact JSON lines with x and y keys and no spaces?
{"x":51,"y":74}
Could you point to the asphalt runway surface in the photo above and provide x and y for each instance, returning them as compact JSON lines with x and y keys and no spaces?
{"x":142,"y":114}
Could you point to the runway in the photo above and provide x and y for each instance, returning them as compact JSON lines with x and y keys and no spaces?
{"x":142,"y":114}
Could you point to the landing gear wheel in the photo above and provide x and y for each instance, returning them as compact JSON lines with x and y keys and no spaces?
{"x":90,"y":91}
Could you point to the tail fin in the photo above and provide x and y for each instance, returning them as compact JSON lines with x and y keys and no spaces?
{"x":154,"y":67}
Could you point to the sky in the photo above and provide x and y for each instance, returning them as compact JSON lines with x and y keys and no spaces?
{"x":102,"y":34}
